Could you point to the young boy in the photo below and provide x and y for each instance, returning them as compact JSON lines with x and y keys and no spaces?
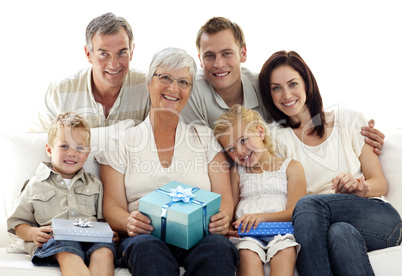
{"x":61,"y":189}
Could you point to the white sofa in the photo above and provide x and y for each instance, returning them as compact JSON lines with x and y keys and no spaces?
{"x":22,"y":152}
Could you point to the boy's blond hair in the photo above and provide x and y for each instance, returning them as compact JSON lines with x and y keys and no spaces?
{"x":68,"y":120}
{"x":239,"y":114}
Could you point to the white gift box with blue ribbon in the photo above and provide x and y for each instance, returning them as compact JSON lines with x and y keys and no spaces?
{"x":265,"y":229}
{"x":180,"y":213}
{"x":91,"y":231}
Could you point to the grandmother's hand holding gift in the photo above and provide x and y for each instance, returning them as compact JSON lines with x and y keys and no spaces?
{"x":219,"y":223}
{"x":137,"y":224}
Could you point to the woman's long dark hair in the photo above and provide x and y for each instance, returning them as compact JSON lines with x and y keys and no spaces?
{"x":313,"y":96}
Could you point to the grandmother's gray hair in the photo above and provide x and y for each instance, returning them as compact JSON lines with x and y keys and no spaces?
{"x":171,"y":58}
{"x":107,"y":24}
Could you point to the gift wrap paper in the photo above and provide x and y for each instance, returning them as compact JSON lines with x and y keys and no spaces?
{"x":269,"y":229}
{"x":64,"y":229}
{"x":186,"y":223}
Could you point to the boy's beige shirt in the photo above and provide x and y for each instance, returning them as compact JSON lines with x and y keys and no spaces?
{"x":46,"y":196}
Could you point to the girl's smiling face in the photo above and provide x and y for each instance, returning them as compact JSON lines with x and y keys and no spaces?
{"x":244,"y":144}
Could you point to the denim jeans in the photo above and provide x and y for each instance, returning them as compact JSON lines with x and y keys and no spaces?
{"x":147,"y":255}
{"x":44,"y":256}
{"x":335,"y":232}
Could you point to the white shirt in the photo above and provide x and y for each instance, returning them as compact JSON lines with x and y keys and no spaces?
{"x":134,"y":154}
{"x":338,"y":154}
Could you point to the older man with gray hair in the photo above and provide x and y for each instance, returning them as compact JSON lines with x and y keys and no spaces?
{"x":108,"y":91}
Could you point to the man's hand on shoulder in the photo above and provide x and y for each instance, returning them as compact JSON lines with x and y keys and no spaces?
{"x":374,"y":137}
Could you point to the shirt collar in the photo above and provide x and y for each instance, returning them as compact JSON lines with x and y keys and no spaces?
{"x":250,"y":99}
{"x":45,"y":171}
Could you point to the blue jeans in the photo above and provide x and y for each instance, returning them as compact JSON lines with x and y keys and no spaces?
{"x":147,"y":255}
{"x":335,"y":232}
{"x":44,"y":256}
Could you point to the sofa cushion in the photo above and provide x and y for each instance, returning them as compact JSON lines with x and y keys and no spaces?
{"x":391,"y":162}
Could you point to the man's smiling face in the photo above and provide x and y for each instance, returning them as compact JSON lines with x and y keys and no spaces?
{"x":220,"y":58}
{"x":110,"y":59}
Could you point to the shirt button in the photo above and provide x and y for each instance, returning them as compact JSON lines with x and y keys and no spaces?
{"x":43,"y":197}
{"x":87,"y":191}
{"x":70,"y":195}
{"x":72,"y":213}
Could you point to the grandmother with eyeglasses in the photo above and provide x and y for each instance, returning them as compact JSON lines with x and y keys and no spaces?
{"x":155,"y":152}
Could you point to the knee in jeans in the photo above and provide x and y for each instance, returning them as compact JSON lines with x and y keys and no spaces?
{"x":306,"y":201}
{"x":395,"y":237}
{"x":218,"y":245}
{"x":144,"y":243}
{"x":307,"y":204}
{"x":340,"y":230}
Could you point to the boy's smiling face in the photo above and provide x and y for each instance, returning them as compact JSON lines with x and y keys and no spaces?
{"x":68,"y":152}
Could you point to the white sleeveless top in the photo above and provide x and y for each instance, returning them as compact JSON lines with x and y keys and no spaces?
{"x":264,"y":192}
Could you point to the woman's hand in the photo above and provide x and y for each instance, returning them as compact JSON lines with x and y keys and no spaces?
{"x":249,"y":221}
{"x":219,"y":223}
{"x":41,"y":235}
{"x":232,"y":232}
{"x":138,"y":224}
{"x":347,"y":184}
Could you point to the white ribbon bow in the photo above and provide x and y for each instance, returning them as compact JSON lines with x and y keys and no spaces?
{"x":82,"y":223}
{"x":181,"y":194}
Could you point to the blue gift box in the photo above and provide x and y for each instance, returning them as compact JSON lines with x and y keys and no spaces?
{"x":179,"y":223}
{"x":64,"y":229}
{"x":265,"y":229}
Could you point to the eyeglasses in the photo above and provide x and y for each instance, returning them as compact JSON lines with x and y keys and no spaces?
{"x":165,"y":78}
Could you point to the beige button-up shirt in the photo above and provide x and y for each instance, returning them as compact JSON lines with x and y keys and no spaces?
{"x":46,"y":196}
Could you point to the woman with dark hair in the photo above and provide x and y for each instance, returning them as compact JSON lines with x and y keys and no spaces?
{"x":344,"y":214}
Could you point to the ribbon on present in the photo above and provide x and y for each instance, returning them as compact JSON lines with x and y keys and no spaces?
{"x":186,"y":196}
{"x":82,"y":223}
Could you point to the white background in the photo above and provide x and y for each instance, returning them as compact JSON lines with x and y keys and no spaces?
{"x":353,"y":47}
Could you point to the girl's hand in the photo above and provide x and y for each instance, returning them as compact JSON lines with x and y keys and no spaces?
{"x":137,"y":224}
{"x":219,"y":223}
{"x":41,"y":235}
{"x":249,"y":221}
{"x":347,"y":184}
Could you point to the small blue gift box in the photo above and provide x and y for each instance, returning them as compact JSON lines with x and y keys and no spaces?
{"x":265,"y":229}
{"x":180,"y":213}
{"x":64,"y":229}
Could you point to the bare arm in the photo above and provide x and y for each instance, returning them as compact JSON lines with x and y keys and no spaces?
{"x":218,"y":172}
{"x":38,"y":235}
{"x":234,"y":181}
{"x":372,"y":184}
{"x":374,"y":137}
{"x":371,"y":168}
{"x":115,"y":207}
{"x":296,"y":189}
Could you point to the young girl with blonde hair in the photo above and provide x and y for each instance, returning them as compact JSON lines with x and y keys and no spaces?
{"x":265,"y":189}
